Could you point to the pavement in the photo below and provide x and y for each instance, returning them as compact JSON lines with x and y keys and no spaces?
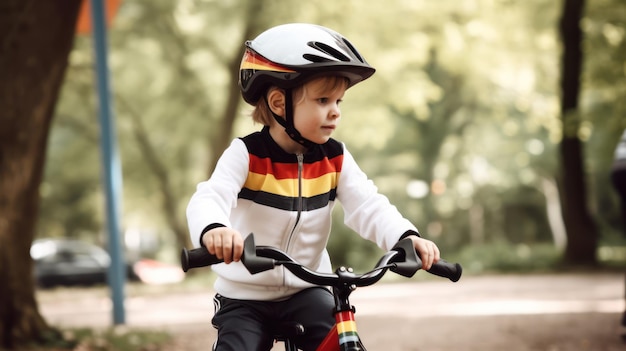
{"x":551,"y":312}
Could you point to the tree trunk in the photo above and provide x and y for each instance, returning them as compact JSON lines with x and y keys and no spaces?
{"x":581,"y":232}
{"x":223,"y":134}
{"x":35,"y":40}
{"x":161,"y":173}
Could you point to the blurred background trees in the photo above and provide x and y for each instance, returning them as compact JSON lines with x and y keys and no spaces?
{"x":460,"y":126}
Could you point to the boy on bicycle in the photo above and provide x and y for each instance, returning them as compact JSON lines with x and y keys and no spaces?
{"x":281,"y":184}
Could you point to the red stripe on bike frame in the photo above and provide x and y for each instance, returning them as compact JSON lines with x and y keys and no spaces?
{"x":344,"y":316}
{"x":346,"y":329}
{"x":331,"y":342}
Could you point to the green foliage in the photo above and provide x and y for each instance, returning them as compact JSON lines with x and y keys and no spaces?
{"x":505,"y":257}
{"x":465,"y":100}
{"x":502,"y":256}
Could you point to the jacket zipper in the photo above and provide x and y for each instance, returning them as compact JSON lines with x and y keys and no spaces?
{"x":299,"y":201}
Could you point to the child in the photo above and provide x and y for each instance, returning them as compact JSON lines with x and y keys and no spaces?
{"x":281,"y":184}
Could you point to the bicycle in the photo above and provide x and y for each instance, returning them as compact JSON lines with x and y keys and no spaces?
{"x":401,"y":259}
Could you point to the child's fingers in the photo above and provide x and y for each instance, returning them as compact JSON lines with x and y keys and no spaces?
{"x":237,"y":247}
{"x":429,"y":252}
{"x":226,"y":244}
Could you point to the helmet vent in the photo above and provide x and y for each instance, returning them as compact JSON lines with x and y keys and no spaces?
{"x":315,"y":58}
{"x":327,"y":49}
{"x":356,"y":53}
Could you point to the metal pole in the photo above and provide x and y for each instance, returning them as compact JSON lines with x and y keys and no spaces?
{"x":111,"y":163}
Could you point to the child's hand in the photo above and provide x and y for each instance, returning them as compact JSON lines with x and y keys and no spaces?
{"x":225,"y":243}
{"x":427,"y":250}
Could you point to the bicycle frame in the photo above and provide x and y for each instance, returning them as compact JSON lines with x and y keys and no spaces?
{"x":343,"y":336}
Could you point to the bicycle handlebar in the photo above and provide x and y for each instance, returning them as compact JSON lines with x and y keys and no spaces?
{"x":401,"y":259}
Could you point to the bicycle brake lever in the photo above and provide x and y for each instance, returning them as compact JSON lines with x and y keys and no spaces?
{"x":411,"y":263}
{"x":253,"y":263}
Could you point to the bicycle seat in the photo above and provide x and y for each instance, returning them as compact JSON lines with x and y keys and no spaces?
{"x":284,"y":331}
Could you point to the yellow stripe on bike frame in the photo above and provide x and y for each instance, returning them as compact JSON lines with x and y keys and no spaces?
{"x":345,"y":327}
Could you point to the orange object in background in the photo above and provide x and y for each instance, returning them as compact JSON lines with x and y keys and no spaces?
{"x":83,"y":25}
{"x":154,"y":272}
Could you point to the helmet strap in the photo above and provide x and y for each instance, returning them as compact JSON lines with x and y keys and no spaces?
{"x":287,"y":122}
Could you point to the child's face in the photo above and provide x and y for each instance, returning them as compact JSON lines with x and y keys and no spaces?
{"x":317,"y":113}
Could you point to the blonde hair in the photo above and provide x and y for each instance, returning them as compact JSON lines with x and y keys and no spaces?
{"x":262,"y":113}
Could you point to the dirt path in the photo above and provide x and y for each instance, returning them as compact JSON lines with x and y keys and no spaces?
{"x":572,"y":332}
{"x":514,"y":313}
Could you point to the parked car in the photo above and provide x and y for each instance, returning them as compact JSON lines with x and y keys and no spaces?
{"x":70,"y":262}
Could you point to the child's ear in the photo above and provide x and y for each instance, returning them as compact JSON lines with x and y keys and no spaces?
{"x":276,"y":101}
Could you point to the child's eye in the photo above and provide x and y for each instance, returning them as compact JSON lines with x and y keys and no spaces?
{"x":327,"y":100}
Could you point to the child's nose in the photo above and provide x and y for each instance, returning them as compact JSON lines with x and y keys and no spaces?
{"x":335,"y":112}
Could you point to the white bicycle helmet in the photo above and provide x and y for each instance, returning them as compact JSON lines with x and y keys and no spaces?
{"x":291,"y":54}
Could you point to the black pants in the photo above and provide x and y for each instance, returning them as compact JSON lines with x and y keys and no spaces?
{"x":244,"y":325}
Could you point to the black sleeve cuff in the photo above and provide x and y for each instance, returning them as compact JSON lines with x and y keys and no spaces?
{"x":207,"y":228}
{"x":409,"y":233}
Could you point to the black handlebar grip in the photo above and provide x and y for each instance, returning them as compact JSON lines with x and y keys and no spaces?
{"x":448,"y":270}
{"x":196,"y":258}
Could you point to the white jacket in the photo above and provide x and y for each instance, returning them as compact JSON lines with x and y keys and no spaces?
{"x":286,"y":200}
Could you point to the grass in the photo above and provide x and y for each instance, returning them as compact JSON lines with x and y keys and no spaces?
{"x":120,"y":339}
{"x":111,"y":339}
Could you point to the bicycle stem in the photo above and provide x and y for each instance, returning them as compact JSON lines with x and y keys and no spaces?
{"x":342,"y":292}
